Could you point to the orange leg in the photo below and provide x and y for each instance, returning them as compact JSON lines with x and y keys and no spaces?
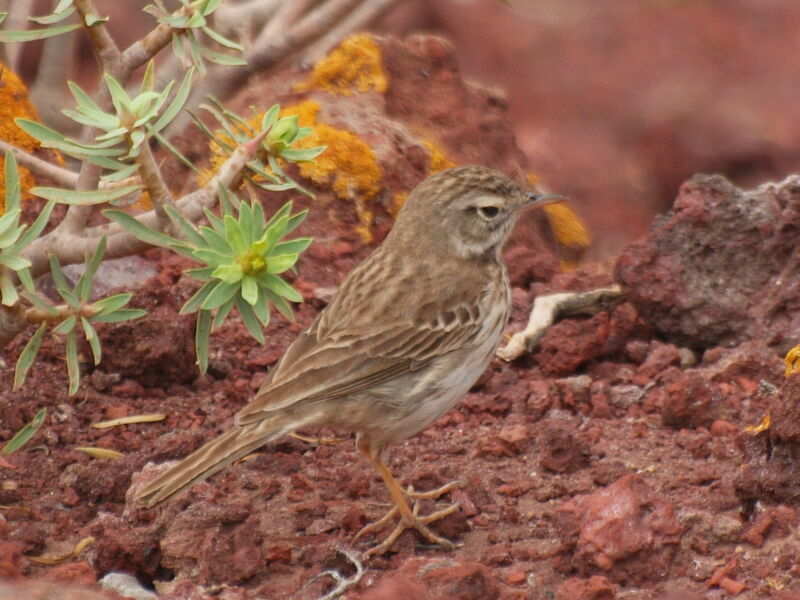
{"x":409,"y":518}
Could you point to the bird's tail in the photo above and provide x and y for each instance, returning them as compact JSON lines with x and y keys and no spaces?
{"x":213,"y":456}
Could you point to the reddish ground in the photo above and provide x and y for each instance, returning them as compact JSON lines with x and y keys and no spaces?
{"x":610,"y":464}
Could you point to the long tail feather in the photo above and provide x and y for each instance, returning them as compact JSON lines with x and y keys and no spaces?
{"x":212,"y":457}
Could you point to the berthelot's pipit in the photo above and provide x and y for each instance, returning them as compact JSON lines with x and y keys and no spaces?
{"x":407,"y":334}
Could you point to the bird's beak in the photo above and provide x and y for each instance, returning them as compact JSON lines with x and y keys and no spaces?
{"x":539,"y":200}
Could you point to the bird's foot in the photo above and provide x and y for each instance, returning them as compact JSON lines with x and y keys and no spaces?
{"x":413,"y":520}
{"x":317,"y":441}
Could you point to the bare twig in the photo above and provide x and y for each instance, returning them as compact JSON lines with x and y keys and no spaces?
{"x":17,"y":19}
{"x":233,"y":19}
{"x":104,"y":45}
{"x":269,"y":50}
{"x":357,"y":18}
{"x":286,"y":16}
{"x":59,"y":176}
{"x":159,"y":193}
{"x":49,"y":90}
{"x":71,"y":247}
{"x":548,"y":309}
{"x":138,"y":53}
{"x":342,"y":583}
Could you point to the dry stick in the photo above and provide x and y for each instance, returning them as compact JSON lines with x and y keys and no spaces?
{"x":103,"y":44}
{"x":359,"y":17}
{"x":49,"y":90}
{"x":342,"y":584}
{"x":268,"y":52}
{"x":232,"y":18}
{"x":17,"y":19}
{"x":71,"y":248}
{"x":548,"y":309}
{"x":159,"y":193}
{"x":58,"y":175}
{"x":89,"y":177}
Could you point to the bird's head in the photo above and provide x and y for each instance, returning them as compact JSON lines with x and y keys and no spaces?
{"x":473,"y":207}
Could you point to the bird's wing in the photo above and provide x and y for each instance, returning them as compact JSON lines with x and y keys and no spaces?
{"x":334,"y":363}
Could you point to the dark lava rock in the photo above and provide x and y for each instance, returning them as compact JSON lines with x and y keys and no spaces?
{"x":722,"y":268}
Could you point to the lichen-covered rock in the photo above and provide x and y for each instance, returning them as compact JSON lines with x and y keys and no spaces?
{"x":626,"y":530}
{"x":772,"y":471}
{"x":722,"y":268}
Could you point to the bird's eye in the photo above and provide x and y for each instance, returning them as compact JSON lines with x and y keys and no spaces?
{"x":488,"y":212}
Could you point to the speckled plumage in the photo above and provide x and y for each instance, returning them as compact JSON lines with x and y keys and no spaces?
{"x":407,"y":334}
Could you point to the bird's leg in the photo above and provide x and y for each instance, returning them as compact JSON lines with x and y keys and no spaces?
{"x":409,"y":518}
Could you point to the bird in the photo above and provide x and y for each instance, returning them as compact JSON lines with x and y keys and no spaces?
{"x":406,"y":335}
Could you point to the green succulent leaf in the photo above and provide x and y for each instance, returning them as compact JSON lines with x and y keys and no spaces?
{"x":222,"y":40}
{"x":222,"y":313}
{"x":94,"y":341}
{"x":291,"y":246}
{"x":66,"y":326}
{"x":8,"y":291}
{"x":56,"y":273}
{"x":212,"y":257}
{"x":201,"y":273}
{"x":25,"y":434}
{"x":83,"y":288}
{"x":138,"y":229}
{"x":54,"y":17}
{"x":202,"y":331}
{"x":281,"y":304}
{"x":83,"y":198}
{"x":32,"y":232}
{"x":230,"y":273}
{"x":261,"y":307}
{"x":118,"y":316}
{"x":249,"y":289}
{"x":196,"y":301}
{"x":177,"y":102}
{"x":221,"y":293}
{"x":111,"y":304}
{"x":306,"y":155}
{"x":279,"y":287}
{"x":73,"y":370}
{"x":249,"y":319}
{"x":235,"y":236}
{"x":11,"y":37}
{"x":13,"y":191}
{"x":281,"y":263}
{"x":15,"y":263}
{"x":28,"y":355}
{"x":185,"y":227}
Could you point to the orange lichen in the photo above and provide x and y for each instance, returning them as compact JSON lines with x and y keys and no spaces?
{"x":14,"y":103}
{"x":348,"y":167}
{"x":792,"y":361}
{"x":568,"y":230}
{"x":763,"y":425}
{"x":354,"y":65}
{"x":438,"y":160}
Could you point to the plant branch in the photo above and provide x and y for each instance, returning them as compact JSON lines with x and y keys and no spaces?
{"x":549,"y":309}
{"x":357,"y":18}
{"x":49,"y":90}
{"x":71,"y":248}
{"x":159,"y":193}
{"x":17,"y":19}
{"x":104,"y":45}
{"x":58,"y":175}
{"x":280,"y":39}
